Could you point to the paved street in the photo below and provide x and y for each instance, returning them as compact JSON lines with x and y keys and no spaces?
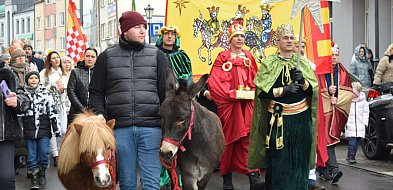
{"x":365,"y":175}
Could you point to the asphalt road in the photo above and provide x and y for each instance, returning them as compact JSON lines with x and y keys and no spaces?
{"x":365,"y":175}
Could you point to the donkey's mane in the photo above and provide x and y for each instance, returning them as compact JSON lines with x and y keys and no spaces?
{"x":95,"y":134}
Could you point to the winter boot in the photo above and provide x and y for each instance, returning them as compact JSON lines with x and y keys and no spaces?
{"x":16,"y":165}
{"x":351,"y":158}
{"x":227,"y":185}
{"x":42,"y":178}
{"x":34,"y":180}
{"x":255,"y":182}
{"x":323,"y":173}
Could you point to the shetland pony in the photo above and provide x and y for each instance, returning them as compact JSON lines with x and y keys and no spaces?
{"x":86,"y":157}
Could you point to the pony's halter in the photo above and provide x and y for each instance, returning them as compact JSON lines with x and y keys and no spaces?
{"x":188,"y":132}
{"x":105,"y":161}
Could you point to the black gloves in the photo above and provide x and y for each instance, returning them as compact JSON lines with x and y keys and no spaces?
{"x":292,"y":88}
{"x":298,"y":76}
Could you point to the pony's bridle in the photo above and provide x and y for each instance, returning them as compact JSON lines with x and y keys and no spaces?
{"x":105,"y":161}
{"x":188,"y":132}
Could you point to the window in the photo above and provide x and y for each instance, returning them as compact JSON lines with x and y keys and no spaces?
{"x":17,"y":26}
{"x":61,"y":19}
{"x":28,"y":25}
{"x":110,"y":29}
{"x":54,"y":21}
{"x":39,"y":45}
{"x":48,"y":44}
{"x":103,"y":31}
{"x":23,"y":25}
{"x":47,"y":22}
{"x":63,"y":43}
{"x":38,"y":23}
{"x":2,"y":29}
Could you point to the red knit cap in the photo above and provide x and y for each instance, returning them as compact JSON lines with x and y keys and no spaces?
{"x":130,"y":19}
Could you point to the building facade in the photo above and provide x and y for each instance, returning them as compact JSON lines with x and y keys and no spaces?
{"x":16,"y":22}
{"x":50,"y":23}
{"x":358,"y":21}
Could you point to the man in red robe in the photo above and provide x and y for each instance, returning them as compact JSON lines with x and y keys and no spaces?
{"x":336,"y":95}
{"x":235,"y":69}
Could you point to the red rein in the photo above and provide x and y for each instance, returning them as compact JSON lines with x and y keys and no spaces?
{"x":172,"y":166}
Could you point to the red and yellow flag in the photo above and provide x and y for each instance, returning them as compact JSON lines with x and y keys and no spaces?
{"x":76,"y":38}
{"x":318,"y":48}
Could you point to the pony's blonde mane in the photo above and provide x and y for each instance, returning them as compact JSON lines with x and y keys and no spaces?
{"x":95,"y":134}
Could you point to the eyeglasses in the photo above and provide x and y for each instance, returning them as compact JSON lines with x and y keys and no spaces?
{"x":286,"y":38}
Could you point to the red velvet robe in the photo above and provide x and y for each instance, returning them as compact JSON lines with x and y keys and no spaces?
{"x":235,"y":115}
{"x":332,"y":118}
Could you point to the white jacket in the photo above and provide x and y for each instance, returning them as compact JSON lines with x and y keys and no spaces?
{"x":358,"y":117}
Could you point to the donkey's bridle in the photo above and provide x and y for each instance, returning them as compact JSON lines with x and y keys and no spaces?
{"x":188,"y":132}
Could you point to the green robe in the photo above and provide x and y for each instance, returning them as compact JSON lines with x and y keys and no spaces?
{"x":267,"y":75}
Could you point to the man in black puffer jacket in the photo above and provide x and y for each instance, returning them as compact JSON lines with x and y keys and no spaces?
{"x":128,"y":85}
{"x":78,"y":84}
{"x":10,"y":129}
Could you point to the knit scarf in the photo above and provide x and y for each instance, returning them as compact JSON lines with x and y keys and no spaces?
{"x":21,"y":69}
{"x":31,"y":89}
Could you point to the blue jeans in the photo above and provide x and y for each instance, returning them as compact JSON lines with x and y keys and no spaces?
{"x":37,"y":153}
{"x":138,"y":145}
{"x":353,"y":144}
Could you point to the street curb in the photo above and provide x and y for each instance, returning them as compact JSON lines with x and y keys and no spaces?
{"x":390,"y":174}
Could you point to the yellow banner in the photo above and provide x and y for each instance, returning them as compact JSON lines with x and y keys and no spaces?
{"x":204,"y":27}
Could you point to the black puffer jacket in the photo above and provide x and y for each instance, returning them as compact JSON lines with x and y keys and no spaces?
{"x":78,"y":86}
{"x":128,"y":84}
{"x":10,"y":129}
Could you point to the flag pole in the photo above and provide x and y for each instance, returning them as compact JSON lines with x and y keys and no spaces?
{"x":300,"y":40}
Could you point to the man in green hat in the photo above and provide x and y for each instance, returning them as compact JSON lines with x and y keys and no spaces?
{"x":169,"y":43}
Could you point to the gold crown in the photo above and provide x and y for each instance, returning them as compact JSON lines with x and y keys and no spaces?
{"x":284,"y":29}
{"x":242,"y":9}
{"x":213,"y":9}
{"x":266,"y":8}
{"x":235,"y":29}
{"x":164,"y":29}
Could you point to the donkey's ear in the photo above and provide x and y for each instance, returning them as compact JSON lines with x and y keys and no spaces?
{"x":170,"y":80}
{"x":78,"y":128}
{"x":111,"y":123}
{"x":195,"y":88}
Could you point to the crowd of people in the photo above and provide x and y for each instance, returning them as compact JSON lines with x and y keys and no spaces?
{"x":280,"y":120}
{"x":35,"y":114}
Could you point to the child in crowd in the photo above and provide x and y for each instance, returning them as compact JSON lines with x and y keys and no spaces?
{"x":39,"y":122}
{"x":357,"y":121}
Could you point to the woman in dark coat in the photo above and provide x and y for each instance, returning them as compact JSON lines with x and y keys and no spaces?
{"x":10,"y":129}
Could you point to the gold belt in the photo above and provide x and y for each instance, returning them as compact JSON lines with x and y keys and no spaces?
{"x":278,"y":110}
{"x":289,"y":109}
